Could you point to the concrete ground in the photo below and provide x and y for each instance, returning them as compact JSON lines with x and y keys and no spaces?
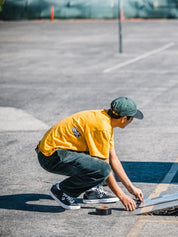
{"x":49,"y":70}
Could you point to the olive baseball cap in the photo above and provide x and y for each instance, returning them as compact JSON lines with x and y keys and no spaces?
{"x":124,"y":106}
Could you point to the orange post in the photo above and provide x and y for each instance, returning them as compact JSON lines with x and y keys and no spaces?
{"x":122,"y":15}
{"x":52,"y":12}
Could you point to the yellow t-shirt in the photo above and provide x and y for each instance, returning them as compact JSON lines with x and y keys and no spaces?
{"x":87,"y":131}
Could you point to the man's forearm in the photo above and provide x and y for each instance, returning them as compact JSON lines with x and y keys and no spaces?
{"x":112,"y":184}
{"x":120,"y":173}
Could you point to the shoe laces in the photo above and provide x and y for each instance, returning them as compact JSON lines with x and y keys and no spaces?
{"x":69,"y":199}
{"x":101,"y":190}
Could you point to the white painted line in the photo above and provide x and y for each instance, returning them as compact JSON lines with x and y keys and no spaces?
{"x":139,"y":58}
{"x":12,"y":119}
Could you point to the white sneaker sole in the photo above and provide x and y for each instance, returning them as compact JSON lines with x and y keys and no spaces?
{"x":62,"y":204}
{"x":111,"y":200}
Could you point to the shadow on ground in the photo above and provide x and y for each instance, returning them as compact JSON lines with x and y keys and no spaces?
{"x":148,"y":172}
{"x":20,"y":202}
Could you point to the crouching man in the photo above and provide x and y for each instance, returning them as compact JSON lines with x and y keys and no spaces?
{"x":81,"y":147}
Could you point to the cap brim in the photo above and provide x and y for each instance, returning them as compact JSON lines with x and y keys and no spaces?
{"x":138,"y":115}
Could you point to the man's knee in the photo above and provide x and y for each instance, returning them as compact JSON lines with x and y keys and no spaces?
{"x":105,"y":170}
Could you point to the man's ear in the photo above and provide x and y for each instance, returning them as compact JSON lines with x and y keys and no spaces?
{"x":124,"y":119}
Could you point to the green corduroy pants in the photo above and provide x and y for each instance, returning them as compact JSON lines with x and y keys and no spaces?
{"x":83,"y":170}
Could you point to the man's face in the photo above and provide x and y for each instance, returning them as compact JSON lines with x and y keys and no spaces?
{"x":121,"y":122}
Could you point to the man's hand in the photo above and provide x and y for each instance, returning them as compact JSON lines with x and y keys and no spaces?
{"x":128,"y":202}
{"x":137,"y":193}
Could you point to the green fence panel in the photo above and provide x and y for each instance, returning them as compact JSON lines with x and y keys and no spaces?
{"x":66,"y":9}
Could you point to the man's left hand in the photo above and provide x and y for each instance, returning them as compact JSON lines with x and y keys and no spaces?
{"x":137,"y":193}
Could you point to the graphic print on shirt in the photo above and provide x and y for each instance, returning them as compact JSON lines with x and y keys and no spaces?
{"x":76,"y":132}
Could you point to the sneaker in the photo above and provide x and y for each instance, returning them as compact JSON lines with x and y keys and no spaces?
{"x":63,"y":199}
{"x":98,"y":195}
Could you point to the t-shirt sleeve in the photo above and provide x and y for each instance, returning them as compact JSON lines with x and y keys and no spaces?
{"x":99,"y":143}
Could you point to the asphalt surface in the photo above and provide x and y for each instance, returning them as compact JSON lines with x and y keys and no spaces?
{"x":50,"y":70}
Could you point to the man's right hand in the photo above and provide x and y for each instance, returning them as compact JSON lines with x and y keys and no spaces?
{"x":128,"y":202}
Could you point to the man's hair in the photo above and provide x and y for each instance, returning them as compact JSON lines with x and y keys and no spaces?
{"x":112,"y":115}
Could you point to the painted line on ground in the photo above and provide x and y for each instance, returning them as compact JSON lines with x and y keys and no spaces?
{"x":121,"y":65}
{"x":162,"y":221}
{"x":163,"y":186}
